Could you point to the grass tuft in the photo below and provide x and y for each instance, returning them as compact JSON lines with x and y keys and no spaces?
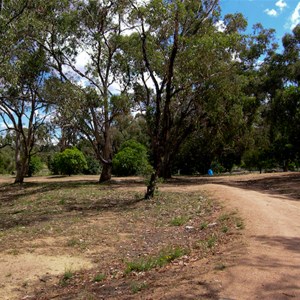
{"x":164,"y":257}
{"x":179,"y":221}
{"x":203,"y":225}
{"x":66,"y":277}
{"x":211,"y":241}
{"x":99,"y":277}
{"x":138,"y":286}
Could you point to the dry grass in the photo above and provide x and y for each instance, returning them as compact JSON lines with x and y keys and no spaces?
{"x":110,"y":225}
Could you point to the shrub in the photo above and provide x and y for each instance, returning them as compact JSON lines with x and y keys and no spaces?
{"x":93,"y":166}
{"x":68,"y":162}
{"x":132,"y":159}
{"x":35,"y":165}
{"x":7,"y":164}
{"x":53,"y":164}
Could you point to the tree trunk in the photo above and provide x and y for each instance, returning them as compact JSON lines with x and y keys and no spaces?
{"x":21,"y":167}
{"x":165,"y":170}
{"x":107,"y":155}
{"x":19,"y":173}
{"x":106,"y":173}
{"x":151,"y":186}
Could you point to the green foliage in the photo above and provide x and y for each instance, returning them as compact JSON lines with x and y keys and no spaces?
{"x":68,"y":162}
{"x":7,"y":164}
{"x":35,"y":165}
{"x":93,"y":166}
{"x":132,"y":159}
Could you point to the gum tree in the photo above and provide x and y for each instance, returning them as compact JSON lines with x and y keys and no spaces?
{"x":83,"y":38}
{"x":183,"y":59}
{"x":22,"y":109}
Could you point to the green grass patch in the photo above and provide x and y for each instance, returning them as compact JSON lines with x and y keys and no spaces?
{"x":179,"y":221}
{"x":66,"y":277}
{"x":225,"y":229}
{"x":99,"y":277}
{"x":138,"y":286}
{"x":211,"y":241}
{"x":203,"y":225}
{"x":207,"y":244}
{"x":228,"y":219}
{"x":225,"y":217}
{"x":164,"y":257}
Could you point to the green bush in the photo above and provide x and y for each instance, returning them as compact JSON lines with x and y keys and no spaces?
{"x":35,"y":165}
{"x":131,"y":160}
{"x":53,"y":164}
{"x":68,"y":162}
{"x":93,"y":166}
{"x":7,"y":164}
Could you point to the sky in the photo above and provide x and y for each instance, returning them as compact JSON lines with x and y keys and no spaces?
{"x":282,"y":15}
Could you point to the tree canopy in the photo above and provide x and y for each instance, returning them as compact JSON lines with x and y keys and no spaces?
{"x":193,"y":87}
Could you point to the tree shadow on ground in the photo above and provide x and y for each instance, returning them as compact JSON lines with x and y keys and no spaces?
{"x":285,"y":184}
{"x":12,"y":192}
{"x":18,"y":208}
{"x":291,"y":244}
{"x":279,"y":275}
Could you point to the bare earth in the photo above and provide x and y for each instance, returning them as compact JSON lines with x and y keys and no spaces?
{"x":264,"y":263}
{"x":269,"y":267}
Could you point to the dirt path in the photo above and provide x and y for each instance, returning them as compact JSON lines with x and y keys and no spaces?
{"x":269,"y":268}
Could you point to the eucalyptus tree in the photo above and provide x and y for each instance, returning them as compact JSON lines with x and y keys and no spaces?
{"x":164,"y":54}
{"x":282,"y":86}
{"x":242,"y":93}
{"x":83,"y":39}
{"x":187,"y":73}
{"x":22,"y":109}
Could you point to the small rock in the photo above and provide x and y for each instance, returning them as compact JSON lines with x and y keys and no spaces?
{"x":212,"y":224}
{"x":189,"y":227}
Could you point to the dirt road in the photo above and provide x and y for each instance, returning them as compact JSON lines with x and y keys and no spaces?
{"x":269,"y":265}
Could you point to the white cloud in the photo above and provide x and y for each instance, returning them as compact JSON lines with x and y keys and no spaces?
{"x":220,"y":26}
{"x":271,"y":12}
{"x":281,"y":4}
{"x":295,"y":17}
{"x":115,"y":88}
{"x":3,"y":126}
{"x":82,"y":60}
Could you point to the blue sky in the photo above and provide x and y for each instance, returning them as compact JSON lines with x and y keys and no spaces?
{"x":282,"y":15}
